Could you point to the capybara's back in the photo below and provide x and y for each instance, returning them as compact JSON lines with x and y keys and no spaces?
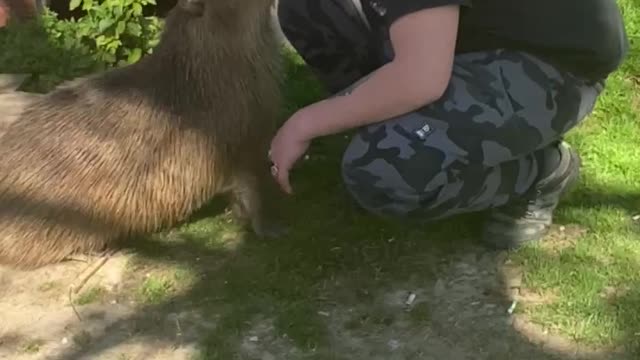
{"x":139,"y":148}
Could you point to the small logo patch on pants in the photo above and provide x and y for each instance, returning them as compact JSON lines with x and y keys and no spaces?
{"x":423,"y":132}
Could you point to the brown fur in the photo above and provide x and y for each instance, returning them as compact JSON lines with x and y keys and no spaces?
{"x":140,"y":148}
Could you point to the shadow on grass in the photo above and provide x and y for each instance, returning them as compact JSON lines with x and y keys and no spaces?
{"x":334,"y":289}
{"x":620,"y":199}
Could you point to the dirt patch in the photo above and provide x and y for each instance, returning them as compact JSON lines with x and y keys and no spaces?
{"x":12,"y":103}
{"x":464,"y":313}
{"x":561,"y":237}
{"x":39,"y":321}
{"x":613,"y":293}
{"x":536,"y":297}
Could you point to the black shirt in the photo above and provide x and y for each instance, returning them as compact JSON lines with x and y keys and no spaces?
{"x":586,"y":37}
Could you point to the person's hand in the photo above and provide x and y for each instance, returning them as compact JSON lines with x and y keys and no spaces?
{"x":287,"y":146}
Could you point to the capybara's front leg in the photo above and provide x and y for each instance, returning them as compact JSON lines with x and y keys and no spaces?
{"x":255,"y":203}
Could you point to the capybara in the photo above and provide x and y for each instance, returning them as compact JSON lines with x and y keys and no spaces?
{"x":138,"y":149}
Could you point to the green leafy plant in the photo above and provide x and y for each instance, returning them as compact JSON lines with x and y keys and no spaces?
{"x":115,"y":32}
{"x":51,"y":50}
{"x":28,"y":49}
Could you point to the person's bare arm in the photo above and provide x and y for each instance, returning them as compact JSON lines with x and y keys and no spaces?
{"x":424,"y":45}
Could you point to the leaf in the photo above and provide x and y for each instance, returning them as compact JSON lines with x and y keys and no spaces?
{"x":100,"y":40}
{"x":110,"y":58}
{"x":88,"y":4}
{"x":73,"y":4}
{"x":113,"y":45}
{"x":137,"y":9}
{"x":134,"y":29}
{"x":121,"y":27}
{"x":83,"y":31}
{"x":104,"y":24}
{"x":153,"y":43}
{"x":134,"y":55}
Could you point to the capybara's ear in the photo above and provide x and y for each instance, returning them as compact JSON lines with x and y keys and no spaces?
{"x":193,"y":7}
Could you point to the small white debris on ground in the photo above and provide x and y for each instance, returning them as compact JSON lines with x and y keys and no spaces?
{"x":410,"y":299}
{"x":393,"y":344}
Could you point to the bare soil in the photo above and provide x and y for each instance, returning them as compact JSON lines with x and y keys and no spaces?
{"x":461,"y":315}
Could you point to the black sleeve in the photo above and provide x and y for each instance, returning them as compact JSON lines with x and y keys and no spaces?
{"x":398,"y":8}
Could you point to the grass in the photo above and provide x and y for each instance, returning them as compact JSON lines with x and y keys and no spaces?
{"x":32,"y":347}
{"x":90,"y":295}
{"x":337,"y":258}
{"x":155,"y":289}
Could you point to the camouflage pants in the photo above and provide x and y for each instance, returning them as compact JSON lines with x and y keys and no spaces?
{"x":473,"y":149}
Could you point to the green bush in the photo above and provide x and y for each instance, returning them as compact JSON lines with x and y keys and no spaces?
{"x":111,"y":33}
{"x":115,"y":32}
{"x":27,"y":49}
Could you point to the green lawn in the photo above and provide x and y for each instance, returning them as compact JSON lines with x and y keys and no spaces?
{"x":334,"y":277}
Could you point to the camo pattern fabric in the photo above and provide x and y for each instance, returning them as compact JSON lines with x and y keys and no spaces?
{"x":473,"y":149}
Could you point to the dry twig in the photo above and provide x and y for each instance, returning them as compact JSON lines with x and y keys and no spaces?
{"x":74,"y":289}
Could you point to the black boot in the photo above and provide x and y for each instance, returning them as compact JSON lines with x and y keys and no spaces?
{"x":527,"y":219}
